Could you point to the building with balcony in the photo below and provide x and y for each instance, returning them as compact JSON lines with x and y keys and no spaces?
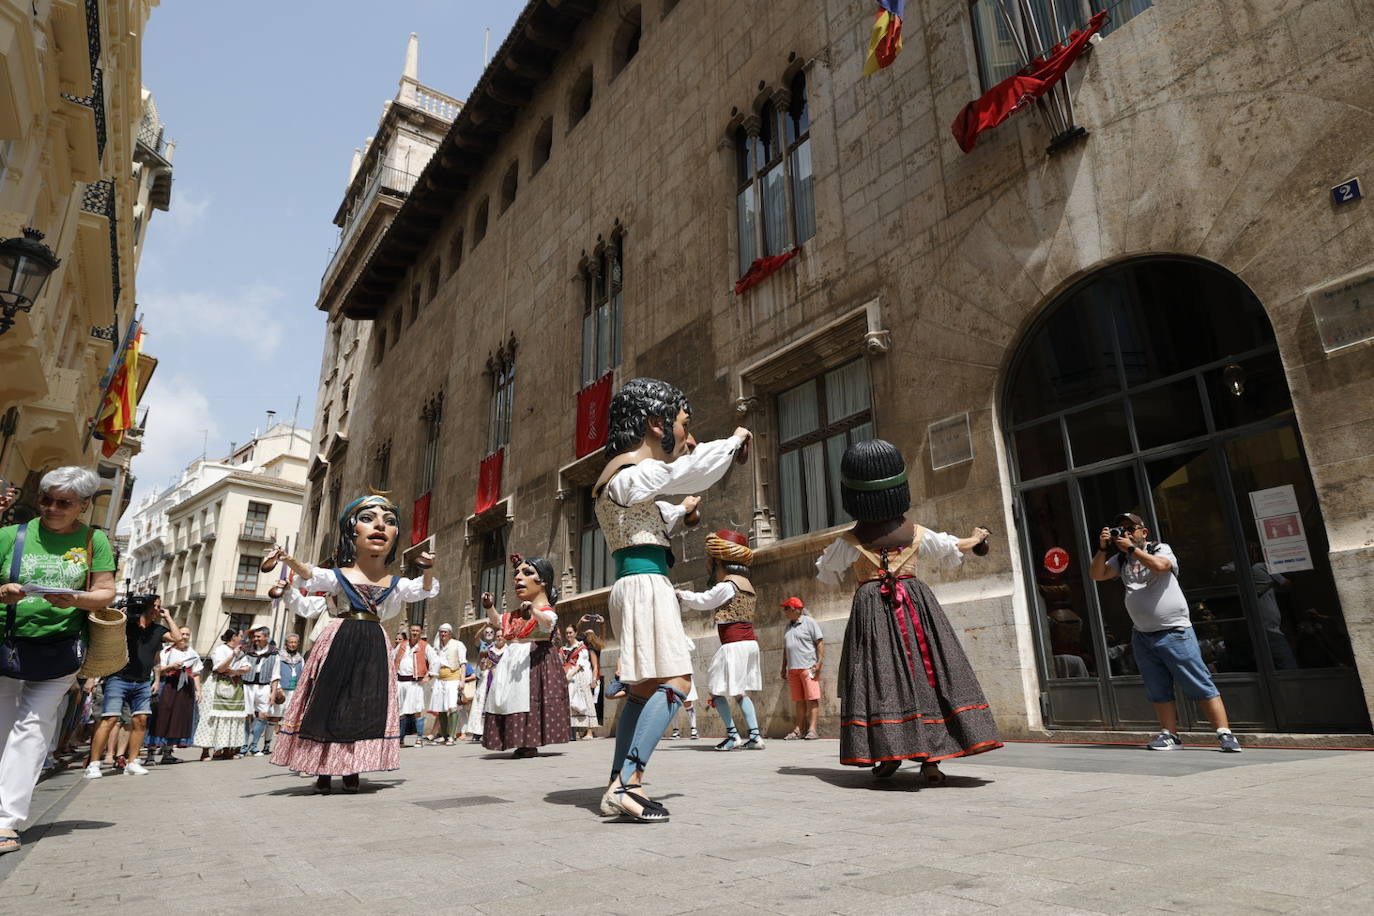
{"x":1159,"y":313}
{"x":380,"y":178}
{"x":199,"y":542}
{"x":74,"y":164}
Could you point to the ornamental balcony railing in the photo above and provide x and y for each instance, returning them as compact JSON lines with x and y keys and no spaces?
{"x":99,"y":198}
{"x":96,"y":102}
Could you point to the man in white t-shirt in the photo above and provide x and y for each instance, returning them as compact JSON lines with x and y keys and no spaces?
{"x":1162,"y":640}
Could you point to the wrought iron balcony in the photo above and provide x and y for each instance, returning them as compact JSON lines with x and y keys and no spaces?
{"x":100,"y":198}
{"x":96,"y":102}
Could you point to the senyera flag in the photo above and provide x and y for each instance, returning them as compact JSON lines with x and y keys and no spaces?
{"x":885,"y":43}
{"x":121,"y":398}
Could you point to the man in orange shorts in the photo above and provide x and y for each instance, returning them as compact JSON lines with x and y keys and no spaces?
{"x":802,"y":657}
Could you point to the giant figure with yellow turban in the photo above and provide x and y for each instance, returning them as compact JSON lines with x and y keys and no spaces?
{"x":735,"y":670}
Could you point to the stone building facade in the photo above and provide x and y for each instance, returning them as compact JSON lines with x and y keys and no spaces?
{"x":83,"y":159}
{"x":1127,"y":324}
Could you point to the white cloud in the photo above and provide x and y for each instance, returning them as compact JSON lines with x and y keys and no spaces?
{"x":186,"y":212}
{"x":250,"y":320}
{"x":179,"y":420}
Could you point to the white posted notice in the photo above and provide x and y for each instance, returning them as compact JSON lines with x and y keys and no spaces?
{"x":1281,"y":532}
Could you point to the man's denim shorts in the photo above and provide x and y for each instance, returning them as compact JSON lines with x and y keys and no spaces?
{"x":1172,"y":656}
{"x":138,"y":694}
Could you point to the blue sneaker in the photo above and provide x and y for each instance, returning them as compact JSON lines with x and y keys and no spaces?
{"x":1228,"y":743}
{"x":1165,"y":741}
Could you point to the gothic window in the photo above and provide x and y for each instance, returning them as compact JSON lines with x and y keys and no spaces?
{"x":501,"y":369}
{"x":602,"y":301}
{"x":627,"y":37}
{"x":595,"y":567}
{"x":580,"y":99}
{"x":510,"y":186}
{"x":455,"y":251}
{"x":381,"y":466}
{"x":543,"y":146}
{"x":430,"y":418}
{"x":479,"y":223}
{"x":773,"y":152}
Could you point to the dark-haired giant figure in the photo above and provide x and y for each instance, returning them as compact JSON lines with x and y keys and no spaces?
{"x":342,"y":718}
{"x":649,"y":454}
{"x":907,"y":690}
{"x":527,"y":702}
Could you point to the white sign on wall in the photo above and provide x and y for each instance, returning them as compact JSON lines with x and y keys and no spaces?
{"x":951,"y":441}
{"x":1281,"y":532}
{"x":1344,"y":310}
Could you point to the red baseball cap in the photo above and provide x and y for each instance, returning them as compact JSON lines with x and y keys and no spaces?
{"x":793,"y":602}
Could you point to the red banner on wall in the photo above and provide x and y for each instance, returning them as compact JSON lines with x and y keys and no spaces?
{"x":489,"y":481}
{"x":593,"y":410}
{"x":419,"y":520}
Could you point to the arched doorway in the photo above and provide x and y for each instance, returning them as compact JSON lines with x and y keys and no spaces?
{"x":1155,"y":387}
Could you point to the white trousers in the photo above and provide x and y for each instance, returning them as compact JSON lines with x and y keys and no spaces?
{"x":28,"y":721}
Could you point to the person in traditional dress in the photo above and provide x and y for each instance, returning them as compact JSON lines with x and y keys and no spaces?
{"x":577,"y":667}
{"x":222,"y":704}
{"x":343,"y":718}
{"x":178,"y":676}
{"x":527,"y":701}
{"x":415,"y":663}
{"x":907,"y":690}
{"x":650,"y":454}
{"x":735,"y":670}
{"x":446,"y":693}
{"x":488,"y":654}
{"x":260,"y":687}
{"x":290,"y":665}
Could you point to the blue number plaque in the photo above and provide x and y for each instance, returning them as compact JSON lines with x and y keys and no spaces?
{"x":1346,"y":192}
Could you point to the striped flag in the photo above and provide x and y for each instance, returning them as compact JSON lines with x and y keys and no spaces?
{"x":121,"y":397}
{"x":885,"y":42}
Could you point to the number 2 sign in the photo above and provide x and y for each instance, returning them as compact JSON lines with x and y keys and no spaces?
{"x":1346,"y":192}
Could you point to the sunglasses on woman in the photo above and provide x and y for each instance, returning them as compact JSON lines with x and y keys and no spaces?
{"x":57,"y":502}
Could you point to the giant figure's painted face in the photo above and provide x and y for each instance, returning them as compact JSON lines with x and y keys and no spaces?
{"x":375,"y":530}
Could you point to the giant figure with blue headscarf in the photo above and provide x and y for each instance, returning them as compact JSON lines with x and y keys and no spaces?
{"x":342,"y":720}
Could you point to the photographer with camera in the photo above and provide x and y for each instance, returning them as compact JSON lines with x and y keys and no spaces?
{"x":1162,"y":639}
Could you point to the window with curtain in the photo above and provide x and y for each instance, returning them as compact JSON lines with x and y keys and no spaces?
{"x":246,"y":577}
{"x":775,"y":203}
{"x":603,"y":296}
{"x":1002,"y":29}
{"x":491,"y":575}
{"x":816,"y":421}
{"x":595,"y":568}
{"x":502,"y":371}
{"x":430,"y":418}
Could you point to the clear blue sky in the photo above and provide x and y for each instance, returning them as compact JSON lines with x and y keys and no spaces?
{"x":266,"y":101}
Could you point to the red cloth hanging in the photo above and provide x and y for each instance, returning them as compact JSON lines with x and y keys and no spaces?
{"x":593,"y":412}
{"x":1017,"y":91}
{"x":489,"y":481}
{"x":419,"y":520}
{"x":762,"y":268}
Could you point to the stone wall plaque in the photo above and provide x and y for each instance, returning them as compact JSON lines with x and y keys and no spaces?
{"x":951,"y":442}
{"x":1344,"y":310}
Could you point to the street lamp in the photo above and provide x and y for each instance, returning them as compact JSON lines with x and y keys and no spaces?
{"x":25,"y":265}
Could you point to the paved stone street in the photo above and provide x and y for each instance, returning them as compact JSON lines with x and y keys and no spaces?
{"x":1030,"y":828}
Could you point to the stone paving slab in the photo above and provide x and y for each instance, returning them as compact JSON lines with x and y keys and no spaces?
{"x":1031,"y":828}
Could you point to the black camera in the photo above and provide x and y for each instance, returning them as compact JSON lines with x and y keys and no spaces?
{"x":1117,"y":533}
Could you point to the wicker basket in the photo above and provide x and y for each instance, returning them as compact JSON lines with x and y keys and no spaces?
{"x":107,"y":648}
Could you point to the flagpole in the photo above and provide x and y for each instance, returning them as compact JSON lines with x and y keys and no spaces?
{"x":1041,"y":52}
{"x":1013,"y":31}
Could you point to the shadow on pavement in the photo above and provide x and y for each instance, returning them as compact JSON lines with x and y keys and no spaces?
{"x":905,"y":780}
{"x":506,"y":755}
{"x":62,"y":828}
{"x":307,"y":787}
{"x":589,"y":799}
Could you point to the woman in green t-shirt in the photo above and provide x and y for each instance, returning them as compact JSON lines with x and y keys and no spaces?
{"x":58,"y":553}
